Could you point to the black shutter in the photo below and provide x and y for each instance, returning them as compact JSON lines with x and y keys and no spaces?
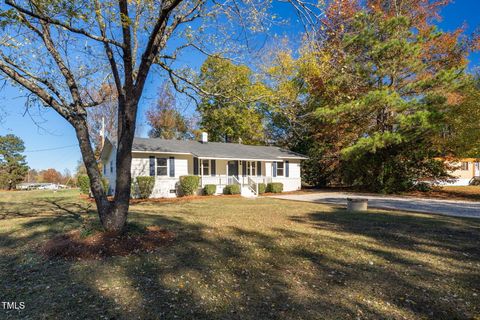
{"x":274,"y":168}
{"x":172,"y":166}
{"x":244,"y":168}
{"x":195,"y":166}
{"x":287,"y":169}
{"x":152,"y":166}
{"x":213,"y":169}
{"x":259,"y":168}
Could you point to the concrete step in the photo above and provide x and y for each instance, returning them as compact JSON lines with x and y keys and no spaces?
{"x":246,"y":192}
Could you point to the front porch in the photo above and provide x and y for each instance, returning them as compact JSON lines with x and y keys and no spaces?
{"x":247,"y":173}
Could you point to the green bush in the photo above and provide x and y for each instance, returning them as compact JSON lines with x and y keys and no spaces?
{"x":105,"y":184}
{"x":133,"y":190}
{"x":275,"y":187}
{"x":145,"y":186}
{"x":232,"y":189}
{"x":209,"y":189}
{"x":262,"y":187}
{"x":189,"y":185}
{"x":83,"y":183}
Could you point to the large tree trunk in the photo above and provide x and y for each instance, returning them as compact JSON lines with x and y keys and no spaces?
{"x":113,"y":214}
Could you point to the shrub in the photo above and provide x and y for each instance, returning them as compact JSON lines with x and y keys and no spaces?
{"x":145,"y":186}
{"x":209,"y":189}
{"x":189,"y":185}
{"x":105,"y":184}
{"x":423,"y":187}
{"x":262,"y":187}
{"x":133,"y":190}
{"x":84,"y":184}
{"x":275,"y":187}
{"x":232,"y":189}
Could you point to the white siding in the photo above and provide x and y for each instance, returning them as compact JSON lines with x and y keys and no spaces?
{"x":141,"y":164}
{"x":164,"y":185}
{"x":111,"y":175}
{"x":294,"y":169}
{"x":289,"y":184}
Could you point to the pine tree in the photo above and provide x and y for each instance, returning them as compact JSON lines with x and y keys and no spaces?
{"x":13,"y":167}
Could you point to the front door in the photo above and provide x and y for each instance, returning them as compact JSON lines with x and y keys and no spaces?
{"x":233,"y":168}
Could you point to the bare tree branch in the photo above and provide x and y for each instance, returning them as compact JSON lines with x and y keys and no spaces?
{"x":59,"y":23}
{"x":35,"y":89}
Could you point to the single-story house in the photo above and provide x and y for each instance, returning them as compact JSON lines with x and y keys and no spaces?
{"x":463,"y":170}
{"x":215,"y":163}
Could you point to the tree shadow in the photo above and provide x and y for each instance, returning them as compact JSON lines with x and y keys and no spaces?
{"x":303,"y":271}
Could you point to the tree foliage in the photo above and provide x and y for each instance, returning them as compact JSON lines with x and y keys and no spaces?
{"x":231,"y":111}
{"x":164,"y":118}
{"x":370,"y":101}
{"x":56,"y":51}
{"x":13,"y":167}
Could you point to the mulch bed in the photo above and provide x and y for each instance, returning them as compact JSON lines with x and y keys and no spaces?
{"x":72,"y":246}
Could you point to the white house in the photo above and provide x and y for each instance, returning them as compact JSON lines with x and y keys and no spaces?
{"x":215,"y":163}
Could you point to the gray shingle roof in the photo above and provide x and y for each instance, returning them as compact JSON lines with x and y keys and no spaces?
{"x":214,"y":149}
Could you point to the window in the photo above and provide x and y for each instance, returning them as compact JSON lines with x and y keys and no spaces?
{"x":251,"y":168}
{"x":280,"y":168}
{"x":205,"y":167}
{"x":104,"y":168}
{"x":464,"y":166}
{"x":162,"y":167}
{"x":111,"y":166}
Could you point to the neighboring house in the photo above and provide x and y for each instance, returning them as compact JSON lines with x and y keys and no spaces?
{"x":39,"y":186}
{"x":463,"y":170}
{"x":216,"y":163}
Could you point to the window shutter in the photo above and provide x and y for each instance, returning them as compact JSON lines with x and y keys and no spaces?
{"x":195,"y":166}
{"x":259,"y":168}
{"x":152,"y":166}
{"x":213,"y":169}
{"x":244,"y":168}
{"x":287,"y":173}
{"x":172,"y":166}
{"x":274,"y":169}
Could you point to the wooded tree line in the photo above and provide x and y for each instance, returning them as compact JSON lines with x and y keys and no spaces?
{"x":373,"y":100}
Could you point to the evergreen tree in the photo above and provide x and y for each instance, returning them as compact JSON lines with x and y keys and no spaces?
{"x":397,"y":104}
{"x":13,"y":167}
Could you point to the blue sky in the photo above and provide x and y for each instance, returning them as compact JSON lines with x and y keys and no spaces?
{"x":51,"y":143}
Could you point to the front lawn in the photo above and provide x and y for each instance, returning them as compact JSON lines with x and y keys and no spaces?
{"x":236,"y":258}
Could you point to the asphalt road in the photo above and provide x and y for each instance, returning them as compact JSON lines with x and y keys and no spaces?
{"x":445,"y":207}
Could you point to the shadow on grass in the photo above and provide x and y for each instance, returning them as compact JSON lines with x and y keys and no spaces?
{"x":307,"y":270}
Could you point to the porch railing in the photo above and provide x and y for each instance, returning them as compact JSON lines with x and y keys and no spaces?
{"x":223,"y":180}
{"x":253,"y":185}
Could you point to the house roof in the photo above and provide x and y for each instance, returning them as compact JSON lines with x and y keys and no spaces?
{"x":216,"y":150}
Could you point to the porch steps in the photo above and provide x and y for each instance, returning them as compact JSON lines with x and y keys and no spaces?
{"x":247,"y":193}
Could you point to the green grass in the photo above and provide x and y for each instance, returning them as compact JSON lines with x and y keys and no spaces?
{"x":236,"y":258}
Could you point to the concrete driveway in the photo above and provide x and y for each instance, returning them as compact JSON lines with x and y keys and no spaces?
{"x":446,"y":207}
